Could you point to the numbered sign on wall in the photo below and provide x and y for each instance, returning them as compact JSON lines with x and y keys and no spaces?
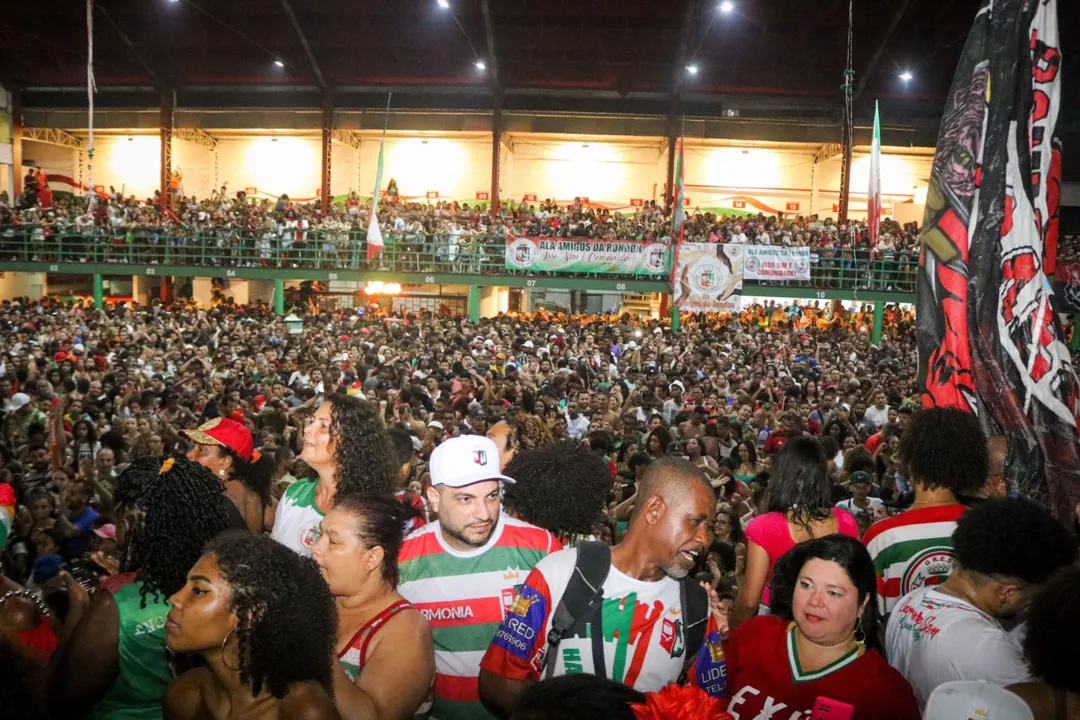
{"x":637,"y":202}
{"x":738,"y":204}
{"x":792,"y":207}
{"x":251,"y":191}
{"x":482,"y":195}
{"x":530,"y":197}
{"x":432,"y":194}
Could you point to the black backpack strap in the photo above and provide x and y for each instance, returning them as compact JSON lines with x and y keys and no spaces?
{"x":584,"y":589}
{"x":695,"y":611}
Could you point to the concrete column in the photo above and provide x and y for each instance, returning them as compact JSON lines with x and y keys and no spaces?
{"x":140,"y":289}
{"x":879,"y":321}
{"x":474,"y":303}
{"x":279,"y":296}
{"x":15,"y":284}
{"x":202,"y":291}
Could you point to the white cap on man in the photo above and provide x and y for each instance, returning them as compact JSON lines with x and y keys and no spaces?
{"x":17,"y":402}
{"x":466,"y":460}
{"x":975,"y":699}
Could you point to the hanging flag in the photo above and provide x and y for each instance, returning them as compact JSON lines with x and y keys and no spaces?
{"x":374,"y":234}
{"x":678,"y":219}
{"x":989,"y":341}
{"x":873,"y":197}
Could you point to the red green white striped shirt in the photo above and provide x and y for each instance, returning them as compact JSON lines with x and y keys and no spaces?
{"x":464,"y":596}
{"x":912,"y":550}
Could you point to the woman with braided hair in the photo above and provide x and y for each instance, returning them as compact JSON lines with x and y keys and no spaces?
{"x":346,"y":445}
{"x":263,"y":620}
{"x":111,"y":660}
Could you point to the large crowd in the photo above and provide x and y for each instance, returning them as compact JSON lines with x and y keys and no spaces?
{"x":236,"y":213}
{"x":203,"y":514}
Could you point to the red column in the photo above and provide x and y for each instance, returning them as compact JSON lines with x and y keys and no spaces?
{"x":166,"y":129}
{"x":496,"y":153}
{"x":16,"y":140}
{"x":327,"y":136}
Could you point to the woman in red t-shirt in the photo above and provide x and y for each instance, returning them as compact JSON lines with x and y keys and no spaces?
{"x":819,"y":647}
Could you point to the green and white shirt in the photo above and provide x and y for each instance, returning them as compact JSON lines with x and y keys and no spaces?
{"x":297,"y":521}
{"x":465,"y":596}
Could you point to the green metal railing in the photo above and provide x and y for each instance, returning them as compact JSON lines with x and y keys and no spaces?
{"x":346,"y":249}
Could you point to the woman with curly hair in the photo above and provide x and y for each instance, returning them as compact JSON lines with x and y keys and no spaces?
{"x":263,"y":621}
{"x":111,"y":658}
{"x":385,"y":658}
{"x":562,"y":487}
{"x":225,"y":448}
{"x":346,"y":445}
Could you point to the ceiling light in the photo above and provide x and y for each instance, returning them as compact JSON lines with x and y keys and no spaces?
{"x":480,"y":65}
{"x":727,"y":6}
{"x":692,"y":69}
{"x":444,"y":4}
{"x":279,"y":63}
{"x":906,"y":75}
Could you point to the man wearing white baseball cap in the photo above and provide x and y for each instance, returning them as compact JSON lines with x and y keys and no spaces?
{"x":463,"y":571}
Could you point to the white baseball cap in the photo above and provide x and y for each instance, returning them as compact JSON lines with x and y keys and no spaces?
{"x":975,"y":699}
{"x":466,"y":460}
{"x":18,"y":401}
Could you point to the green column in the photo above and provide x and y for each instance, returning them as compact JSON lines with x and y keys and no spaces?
{"x":99,"y":290}
{"x":676,"y":320}
{"x":1075,"y":344}
{"x":474,"y":303}
{"x":279,"y":296}
{"x":879,"y":320}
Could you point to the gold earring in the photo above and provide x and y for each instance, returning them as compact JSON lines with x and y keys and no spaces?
{"x":860,"y":642}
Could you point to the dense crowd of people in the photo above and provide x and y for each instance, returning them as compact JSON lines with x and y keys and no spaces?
{"x":534,"y":516}
{"x":235,"y":213}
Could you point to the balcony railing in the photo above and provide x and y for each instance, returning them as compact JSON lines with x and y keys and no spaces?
{"x":322,"y":249}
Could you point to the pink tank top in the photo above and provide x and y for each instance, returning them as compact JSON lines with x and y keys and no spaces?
{"x":771,"y":532}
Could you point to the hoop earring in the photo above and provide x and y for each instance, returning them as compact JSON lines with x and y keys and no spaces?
{"x":860,"y":642}
{"x":223,"y":642}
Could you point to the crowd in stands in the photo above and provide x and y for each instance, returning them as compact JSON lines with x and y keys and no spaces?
{"x":380,"y":516}
{"x":224,"y":211}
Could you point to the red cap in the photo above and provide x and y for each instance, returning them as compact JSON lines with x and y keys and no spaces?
{"x":224,"y":433}
{"x":60,"y":356}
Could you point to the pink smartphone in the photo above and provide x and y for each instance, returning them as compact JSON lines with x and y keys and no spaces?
{"x":828,"y":709}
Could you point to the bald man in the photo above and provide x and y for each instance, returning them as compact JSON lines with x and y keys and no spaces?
{"x":643,"y":589}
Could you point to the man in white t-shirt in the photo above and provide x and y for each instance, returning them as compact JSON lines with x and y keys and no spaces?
{"x":860,"y":501}
{"x":878,"y":414}
{"x":1005,"y":550}
{"x":638,"y":621}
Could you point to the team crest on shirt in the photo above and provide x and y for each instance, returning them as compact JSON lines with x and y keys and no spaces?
{"x":520,"y":607}
{"x":672,"y":638}
{"x":308,"y":534}
{"x":479,"y":457}
{"x":930,"y":567}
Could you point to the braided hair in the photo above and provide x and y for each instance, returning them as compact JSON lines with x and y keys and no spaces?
{"x":177,"y":506}
{"x":287,"y":620}
{"x":364,"y":456}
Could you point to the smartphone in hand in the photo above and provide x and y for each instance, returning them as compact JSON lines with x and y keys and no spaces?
{"x":828,"y":709}
{"x":81,"y":571}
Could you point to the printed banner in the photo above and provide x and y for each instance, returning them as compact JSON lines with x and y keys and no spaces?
{"x":989,"y":341}
{"x":583,"y":255}
{"x":709,"y":277}
{"x":768,"y":262}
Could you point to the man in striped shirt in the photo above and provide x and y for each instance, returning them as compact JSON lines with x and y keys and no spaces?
{"x":463,"y":571}
{"x":944,"y":451}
